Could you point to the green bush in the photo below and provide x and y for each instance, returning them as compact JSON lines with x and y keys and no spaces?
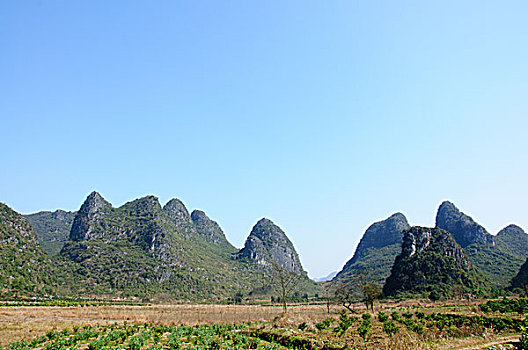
{"x":382,"y":317}
{"x":407,"y":315}
{"x":364,"y":329}
{"x":344,"y":323}
{"x":390,"y":327}
{"x":396,"y":316}
{"x":523,"y":342}
{"x":419,"y":315}
{"x":324,"y":325}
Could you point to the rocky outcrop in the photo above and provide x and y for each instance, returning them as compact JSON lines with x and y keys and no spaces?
{"x":267,"y":243}
{"x":208,"y":228}
{"x":431,"y":260}
{"x":465,"y":230}
{"x":52,"y":228}
{"x":376,"y":251}
{"x":179,"y":216}
{"x":93,"y":210}
{"x":144,"y":249}
{"x":498,"y":257}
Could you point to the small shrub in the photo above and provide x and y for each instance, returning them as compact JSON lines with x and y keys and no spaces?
{"x":382,"y":317}
{"x":323,"y":325}
{"x":523,"y":342}
{"x":364,"y":330}
{"x":396,"y":316}
{"x":390,"y":327}
{"x":303,"y":326}
{"x":344,"y":323}
{"x":407,"y":315}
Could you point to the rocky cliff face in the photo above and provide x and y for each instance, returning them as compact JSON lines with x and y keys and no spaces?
{"x":52,"y":229}
{"x":86,"y":222}
{"x":498,"y":257}
{"x":431,"y":260}
{"x":25,"y":270}
{"x":465,"y":230}
{"x":267,"y":243}
{"x":208,"y":228}
{"x":376,"y":251}
{"x":144,"y":249}
{"x":179,"y":216}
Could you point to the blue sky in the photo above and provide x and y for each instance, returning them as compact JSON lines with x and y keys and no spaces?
{"x":323,"y":116}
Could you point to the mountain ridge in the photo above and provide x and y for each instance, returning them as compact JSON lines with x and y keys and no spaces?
{"x":376,"y":251}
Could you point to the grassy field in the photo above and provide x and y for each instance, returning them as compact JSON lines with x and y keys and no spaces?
{"x":416,"y":325}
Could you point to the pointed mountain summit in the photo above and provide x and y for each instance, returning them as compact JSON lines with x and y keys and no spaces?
{"x":431,"y":261}
{"x":94,"y":208}
{"x":496,"y":256}
{"x":514,"y":240}
{"x":145,"y":250}
{"x":25,"y":269}
{"x":179,"y":215}
{"x":266,"y":243}
{"x":376,"y":251}
{"x":465,"y":230}
{"x":208,"y":228}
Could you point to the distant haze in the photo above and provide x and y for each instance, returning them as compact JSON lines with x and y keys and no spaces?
{"x":322,"y":116}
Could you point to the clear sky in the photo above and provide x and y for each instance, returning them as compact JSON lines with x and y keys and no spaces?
{"x":323,"y":116}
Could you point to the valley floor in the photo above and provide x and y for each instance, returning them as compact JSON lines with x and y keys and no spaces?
{"x":26,"y":323}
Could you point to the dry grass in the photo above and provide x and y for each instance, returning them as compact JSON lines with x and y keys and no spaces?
{"x":18,"y":323}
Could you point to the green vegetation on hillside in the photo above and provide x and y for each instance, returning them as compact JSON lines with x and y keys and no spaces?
{"x":375,"y":253}
{"x":52,"y":229}
{"x":146,"y":251}
{"x":432,"y":262}
{"x":24,"y":267}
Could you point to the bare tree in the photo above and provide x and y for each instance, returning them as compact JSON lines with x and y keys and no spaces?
{"x":344,"y":295}
{"x":358,"y":289}
{"x":328,"y":292}
{"x":285,"y":280}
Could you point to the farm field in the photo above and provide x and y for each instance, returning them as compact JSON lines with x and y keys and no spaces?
{"x":408,"y":325}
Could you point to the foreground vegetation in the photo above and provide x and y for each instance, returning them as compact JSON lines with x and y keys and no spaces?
{"x":394,"y":325}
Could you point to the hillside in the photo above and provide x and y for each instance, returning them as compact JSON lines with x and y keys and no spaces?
{"x":52,"y":229}
{"x":143,"y":249}
{"x":520,"y":281}
{"x":513,"y":240}
{"x":267,"y":243}
{"x":497,"y":257}
{"x":376,"y":251}
{"x":25,"y":269}
{"x":431,"y":261}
